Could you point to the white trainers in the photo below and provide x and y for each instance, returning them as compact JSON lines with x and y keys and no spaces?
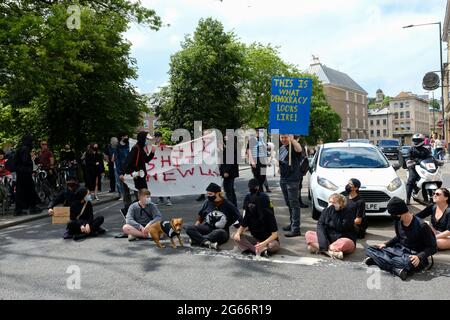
{"x":311,"y":249}
{"x":169,"y":203}
{"x":131,"y":238}
{"x":211,"y":245}
{"x":335,"y":254}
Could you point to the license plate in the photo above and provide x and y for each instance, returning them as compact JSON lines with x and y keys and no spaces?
{"x":372,"y":206}
{"x":430,"y":166}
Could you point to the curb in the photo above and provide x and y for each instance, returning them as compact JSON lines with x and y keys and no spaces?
{"x":44,"y":215}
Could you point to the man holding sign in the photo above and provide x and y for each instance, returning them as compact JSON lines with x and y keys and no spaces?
{"x":290,"y":105}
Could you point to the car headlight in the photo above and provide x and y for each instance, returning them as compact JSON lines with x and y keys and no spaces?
{"x":326,"y":184}
{"x":395,"y":184}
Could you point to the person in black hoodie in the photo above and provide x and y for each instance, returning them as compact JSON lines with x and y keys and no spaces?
{"x":82,"y":221}
{"x":229,"y":171}
{"x":66,"y":197}
{"x":335,"y":234}
{"x":214,"y":220}
{"x":26,"y":196}
{"x":137,"y":159}
{"x":358,"y":206}
{"x":409,"y":250}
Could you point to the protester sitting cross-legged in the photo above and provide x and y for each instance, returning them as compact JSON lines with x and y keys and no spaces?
{"x":335,"y":234}
{"x":259,"y":219}
{"x":409,"y":250}
{"x":214,"y":220}
{"x":440,"y":217}
{"x":140,"y":216}
{"x":67,"y":196}
{"x":82,"y":222}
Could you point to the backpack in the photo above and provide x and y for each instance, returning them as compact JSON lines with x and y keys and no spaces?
{"x":11,"y":162}
{"x":304,"y":166}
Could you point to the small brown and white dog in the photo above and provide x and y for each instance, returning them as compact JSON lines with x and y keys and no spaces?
{"x":170,"y":228}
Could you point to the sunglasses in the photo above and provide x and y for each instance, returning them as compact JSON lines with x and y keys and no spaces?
{"x":437,"y":194}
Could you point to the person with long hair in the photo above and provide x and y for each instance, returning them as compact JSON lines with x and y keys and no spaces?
{"x":94,"y":169}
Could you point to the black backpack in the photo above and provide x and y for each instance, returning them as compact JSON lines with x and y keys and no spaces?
{"x":11,"y":162}
{"x":304,"y":166}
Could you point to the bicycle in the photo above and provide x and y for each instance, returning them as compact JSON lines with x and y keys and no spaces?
{"x":41,"y":184}
{"x":6,"y":194}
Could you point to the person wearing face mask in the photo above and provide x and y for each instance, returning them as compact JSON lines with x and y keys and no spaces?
{"x":409,"y":250}
{"x":82,"y":222}
{"x":140,"y":216}
{"x":68,"y":158}
{"x":137,"y":159}
{"x":110,"y":153}
{"x":357,"y":205}
{"x":214,"y":220}
{"x":335,"y":234}
{"x":259,"y":219}
{"x":66,"y":197}
{"x":94,"y":169}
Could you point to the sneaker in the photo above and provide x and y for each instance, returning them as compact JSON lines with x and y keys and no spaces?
{"x":303,"y":206}
{"x":67,"y":235}
{"x":401,"y":273}
{"x":96,"y":198}
{"x":168,"y":203}
{"x":264,"y":253}
{"x":311,"y":249}
{"x":369,"y":261}
{"x":287,"y":228}
{"x":335,"y":254}
{"x":131,"y":238}
{"x":292,"y":234}
{"x":120,"y":199}
{"x":210,"y":245}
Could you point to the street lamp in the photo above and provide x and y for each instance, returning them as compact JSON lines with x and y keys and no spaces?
{"x":441,"y":68}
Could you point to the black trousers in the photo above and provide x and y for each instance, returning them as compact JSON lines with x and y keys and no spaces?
{"x":230,"y":193}
{"x":413,"y":177}
{"x":74,"y":226}
{"x":112,"y":177}
{"x":201,"y":233}
{"x":140,"y":183}
{"x":127,"y":201}
{"x":26,"y":196}
{"x":257,"y":174}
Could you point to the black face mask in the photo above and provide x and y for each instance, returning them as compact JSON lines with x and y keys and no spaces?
{"x":211,"y":198}
{"x":348,"y":188}
{"x":125,"y":140}
{"x":253,"y":190}
{"x":396,"y":218}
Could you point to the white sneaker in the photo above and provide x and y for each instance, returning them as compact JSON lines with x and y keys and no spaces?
{"x":311,"y":249}
{"x":335,"y":254}
{"x":96,"y":198}
{"x":131,"y":238}
{"x":210,"y":245}
{"x":169,"y":203}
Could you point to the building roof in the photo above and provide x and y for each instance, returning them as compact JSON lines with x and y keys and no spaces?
{"x":409,"y":95}
{"x":334,"y":77}
{"x":378,"y":112}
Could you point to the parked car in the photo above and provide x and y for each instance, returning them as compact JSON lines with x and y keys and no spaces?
{"x":390,"y":147}
{"x":336,"y":163}
{"x":358,"y":140}
{"x":404,"y":150}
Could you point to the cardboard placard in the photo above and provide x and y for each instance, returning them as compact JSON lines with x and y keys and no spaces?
{"x":61,"y":215}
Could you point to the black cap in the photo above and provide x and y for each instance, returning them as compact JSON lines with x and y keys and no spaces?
{"x":158,"y":134}
{"x":356,"y":182}
{"x":253,"y":183}
{"x":213,"y":187}
{"x":397,"y":207}
{"x":81,"y":193}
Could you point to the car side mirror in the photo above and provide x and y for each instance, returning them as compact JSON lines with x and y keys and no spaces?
{"x":396,"y":166}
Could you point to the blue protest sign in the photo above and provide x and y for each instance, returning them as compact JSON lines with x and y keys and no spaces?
{"x":290,"y":105}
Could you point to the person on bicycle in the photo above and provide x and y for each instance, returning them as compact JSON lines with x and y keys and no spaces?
{"x":67,"y":196}
{"x":68,"y":159}
{"x":417,"y":153}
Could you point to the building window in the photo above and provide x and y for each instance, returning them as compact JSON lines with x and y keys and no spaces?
{"x":401,"y":104}
{"x":346,"y":95}
{"x":364,"y":123}
{"x":378,"y":122}
{"x":396,"y":115}
{"x":371,"y":122}
{"x":407,"y":114}
{"x":378,"y":133}
{"x":348,"y":109}
{"x":401,"y":115}
{"x":384,"y":121}
{"x":371,"y":133}
{"x":356,"y":110}
{"x":384,"y":133}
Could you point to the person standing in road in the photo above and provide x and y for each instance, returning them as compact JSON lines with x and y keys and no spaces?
{"x":94,"y":169}
{"x":257,"y":156}
{"x":289,"y":181}
{"x":229,"y":171}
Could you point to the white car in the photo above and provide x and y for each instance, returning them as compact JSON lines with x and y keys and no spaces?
{"x":336,"y":163}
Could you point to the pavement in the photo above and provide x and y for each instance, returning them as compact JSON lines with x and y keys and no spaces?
{"x":36,"y":263}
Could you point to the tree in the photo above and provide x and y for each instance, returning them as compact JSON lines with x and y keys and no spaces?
{"x":204,"y":80}
{"x":75,"y":83}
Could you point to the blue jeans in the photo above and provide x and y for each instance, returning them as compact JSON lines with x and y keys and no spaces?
{"x":291,"y":193}
{"x":393,"y":257}
{"x":119,"y":184}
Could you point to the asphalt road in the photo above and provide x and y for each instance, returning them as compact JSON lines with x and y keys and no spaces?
{"x":36,"y":263}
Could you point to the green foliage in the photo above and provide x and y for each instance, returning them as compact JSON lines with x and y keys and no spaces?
{"x":70,"y":86}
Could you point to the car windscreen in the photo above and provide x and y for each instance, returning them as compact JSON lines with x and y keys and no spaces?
{"x":354,"y":157}
{"x":388,"y":143}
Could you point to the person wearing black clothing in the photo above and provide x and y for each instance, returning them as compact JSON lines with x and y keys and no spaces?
{"x":257,"y":155}
{"x":66,"y":197}
{"x":137,"y":159}
{"x":440,"y":217}
{"x":417,"y":153}
{"x":94,"y":169}
{"x":409,"y":250}
{"x":259,"y":219}
{"x":335,"y":234}
{"x":82,"y":221}
{"x":300,"y":183}
{"x":26,"y":196}
{"x":229,"y":171}
{"x":358,"y":206}
{"x":110,"y":150}
{"x":214,"y":220}
{"x":289,"y":181}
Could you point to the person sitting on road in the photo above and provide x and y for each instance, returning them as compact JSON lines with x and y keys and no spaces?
{"x":409,"y":250}
{"x":214,"y":220}
{"x":259,"y":219}
{"x":82,"y":222}
{"x":440,"y":217}
{"x":335,"y":234}
{"x":66,"y":197}
{"x":358,"y":206}
{"x":140,"y":216}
